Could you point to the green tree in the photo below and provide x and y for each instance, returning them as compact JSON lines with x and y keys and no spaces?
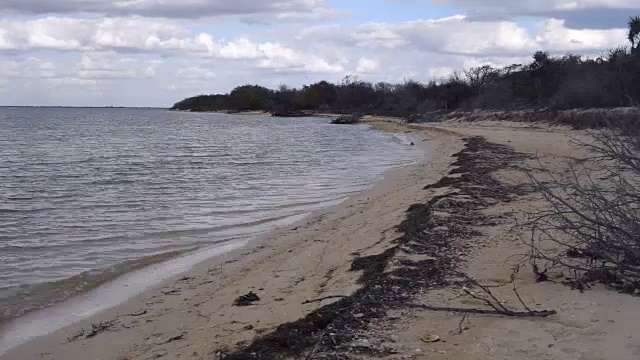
{"x":249,"y":97}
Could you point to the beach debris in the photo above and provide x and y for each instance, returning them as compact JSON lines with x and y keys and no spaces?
{"x":542,"y":313}
{"x":324,"y":298}
{"x":95,"y":329}
{"x":172,"y":292}
{"x":143,"y":312}
{"x":173,"y":338}
{"x":541,"y":276}
{"x":332,"y":330}
{"x":430,"y":338}
{"x":347,"y":119}
{"x":246,"y":300}
{"x":159,"y":354}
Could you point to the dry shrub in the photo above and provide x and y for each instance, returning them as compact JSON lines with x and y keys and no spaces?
{"x":592,"y":223}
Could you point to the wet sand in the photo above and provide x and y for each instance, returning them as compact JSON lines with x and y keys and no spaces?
{"x":192,"y":316}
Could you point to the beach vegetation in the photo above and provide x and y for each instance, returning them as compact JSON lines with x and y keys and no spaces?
{"x":548,"y":81}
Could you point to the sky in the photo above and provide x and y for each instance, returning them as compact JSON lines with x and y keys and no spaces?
{"x":156,"y":52}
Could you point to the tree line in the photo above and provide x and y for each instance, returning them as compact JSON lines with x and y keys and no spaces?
{"x":555,"y":82}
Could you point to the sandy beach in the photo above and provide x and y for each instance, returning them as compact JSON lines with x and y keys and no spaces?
{"x":193,"y":316}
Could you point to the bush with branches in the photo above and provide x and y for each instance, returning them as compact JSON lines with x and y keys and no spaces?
{"x":592,"y":224}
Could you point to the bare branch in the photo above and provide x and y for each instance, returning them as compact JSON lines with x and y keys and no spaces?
{"x":324,"y":298}
{"x":543,"y":313}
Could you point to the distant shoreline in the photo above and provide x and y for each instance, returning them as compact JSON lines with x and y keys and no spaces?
{"x":82,"y":107}
{"x":258,"y":112}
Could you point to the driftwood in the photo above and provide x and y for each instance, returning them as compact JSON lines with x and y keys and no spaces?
{"x":288,"y":114}
{"x":543,"y":313}
{"x":324,"y":298}
{"x":497,"y":307}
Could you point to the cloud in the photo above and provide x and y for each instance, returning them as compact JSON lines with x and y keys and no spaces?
{"x":131,"y":35}
{"x":578,"y":14}
{"x":108,"y":65}
{"x":279,"y":9}
{"x":367,"y":66}
{"x":194,"y":73}
{"x":29,"y":68}
{"x":459,"y":35}
{"x":143,"y":53}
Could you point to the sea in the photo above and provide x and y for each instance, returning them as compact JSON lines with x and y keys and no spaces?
{"x":89,"y":195}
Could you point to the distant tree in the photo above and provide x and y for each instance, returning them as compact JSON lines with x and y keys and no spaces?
{"x":249,"y":97}
{"x":547,"y":81}
{"x":634,"y":34}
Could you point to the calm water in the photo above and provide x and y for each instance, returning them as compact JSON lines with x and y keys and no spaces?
{"x":89,"y":194}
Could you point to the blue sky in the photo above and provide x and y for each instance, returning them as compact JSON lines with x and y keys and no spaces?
{"x":150,"y":53}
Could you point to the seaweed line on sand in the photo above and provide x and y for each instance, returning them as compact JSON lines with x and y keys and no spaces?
{"x":439,"y":231}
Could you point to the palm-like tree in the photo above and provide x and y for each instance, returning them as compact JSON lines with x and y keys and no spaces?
{"x":634,"y":34}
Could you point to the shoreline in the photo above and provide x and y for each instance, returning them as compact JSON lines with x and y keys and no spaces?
{"x":81,"y":308}
{"x":336,"y":284}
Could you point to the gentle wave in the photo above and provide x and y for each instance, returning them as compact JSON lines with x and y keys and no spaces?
{"x":21,"y":300}
{"x":89,"y":194}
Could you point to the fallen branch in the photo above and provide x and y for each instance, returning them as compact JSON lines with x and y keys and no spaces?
{"x":460,"y":328}
{"x":543,"y":313}
{"x":515,"y":272}
{"x":324,"y":298}
{"x":498,"y":306}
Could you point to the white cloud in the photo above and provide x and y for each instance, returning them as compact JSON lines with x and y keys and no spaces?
{"x":194,"y":73}
{"x":532,"y":6}
{"x":579,"y":14}
{"x":29,"y":68}
{"x":140,"y":54}
{"x":461,"y":36}
{"x":276,"y":9}
{"x":108,"y":65}
{"x":152,"y":36}
{"x":555,"y":36}
{"x":366,"y":66}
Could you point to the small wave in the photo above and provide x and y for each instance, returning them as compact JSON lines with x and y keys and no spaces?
{"x":20,"y":198}
{"x":114,"y":181}
{"x":18,"y":301}
{"x":235,"y":210}
{"x":19,"y":211}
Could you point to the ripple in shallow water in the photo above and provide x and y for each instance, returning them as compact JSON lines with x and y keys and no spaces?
{"x":85,"y":193}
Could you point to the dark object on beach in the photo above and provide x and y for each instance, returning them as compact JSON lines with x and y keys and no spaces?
{"x":413,"y":144}
{"x":96,"y":329}
{"x":347,"y":119}
{"x":290,"y":114}
{"x":541,"y":276}
{"x":246,"y":300}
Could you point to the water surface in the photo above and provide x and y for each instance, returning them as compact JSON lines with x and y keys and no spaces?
{"x":89,"y":194}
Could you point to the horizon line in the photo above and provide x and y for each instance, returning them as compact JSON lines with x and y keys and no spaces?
{"x":83,"y":107}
